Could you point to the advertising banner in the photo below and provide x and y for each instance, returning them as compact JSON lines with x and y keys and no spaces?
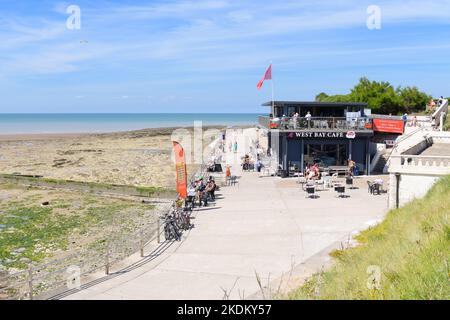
{"x":180,"y":167}
{"x":388,"y":125}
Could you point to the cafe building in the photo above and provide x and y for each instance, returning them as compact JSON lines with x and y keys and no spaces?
{"x":329,"y":134}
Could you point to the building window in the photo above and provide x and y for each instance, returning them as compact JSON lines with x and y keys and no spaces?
{"x":325,"y":154}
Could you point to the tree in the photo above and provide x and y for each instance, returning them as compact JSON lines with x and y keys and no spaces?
{"x":382,"y":97}
{"x":321,"y":96}
{"x":413,"y":100}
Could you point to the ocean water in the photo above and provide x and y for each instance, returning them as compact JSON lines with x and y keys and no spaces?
{"x":113,"y":122}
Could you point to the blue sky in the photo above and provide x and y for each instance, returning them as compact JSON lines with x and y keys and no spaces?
{"x":208,"y":55}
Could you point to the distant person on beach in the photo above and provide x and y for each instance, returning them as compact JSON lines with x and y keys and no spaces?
{"x":414,"y":121}
{"x":235,"y":146}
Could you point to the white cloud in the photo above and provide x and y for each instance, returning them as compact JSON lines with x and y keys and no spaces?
{"x":207,"y":35}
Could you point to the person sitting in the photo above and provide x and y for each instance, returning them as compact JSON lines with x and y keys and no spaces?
{"x":209,"y":190}
{"x":201,"y":193}
{"x":351,"y":167}
{"x":191,"y":196}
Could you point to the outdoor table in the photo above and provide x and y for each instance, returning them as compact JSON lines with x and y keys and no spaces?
{"x":379,"y":183}
{"x":338,"y":169}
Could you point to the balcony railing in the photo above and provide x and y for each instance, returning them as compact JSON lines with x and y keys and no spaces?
{"x":316,"y":123}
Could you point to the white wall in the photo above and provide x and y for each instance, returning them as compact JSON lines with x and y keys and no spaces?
{"x":411,"y":186}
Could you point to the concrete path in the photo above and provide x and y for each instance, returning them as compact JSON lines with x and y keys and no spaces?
{"x":261,"y":226}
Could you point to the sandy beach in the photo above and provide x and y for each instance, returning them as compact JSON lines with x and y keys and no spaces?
{"x":141,"y":158}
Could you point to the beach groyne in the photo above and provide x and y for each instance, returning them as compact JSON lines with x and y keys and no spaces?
{"x":91,"y":187}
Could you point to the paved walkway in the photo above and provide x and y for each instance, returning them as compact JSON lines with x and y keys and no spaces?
{"x":261,"y":226}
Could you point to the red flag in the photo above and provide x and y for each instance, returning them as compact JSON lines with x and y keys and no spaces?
{"x":180,"y":167}
{"x":267,"y":76}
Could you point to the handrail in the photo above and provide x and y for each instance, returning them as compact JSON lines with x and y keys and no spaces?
{"x":37,"y":276}
{"x":319,"y":123}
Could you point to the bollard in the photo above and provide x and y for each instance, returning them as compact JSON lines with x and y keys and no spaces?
{"x":158,"y":231}
{"x":30,"y":280}
{"x":107,"y":260}
{"x":142,"y":244}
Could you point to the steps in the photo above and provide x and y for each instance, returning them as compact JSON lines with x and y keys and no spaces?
{"x":381,"y":163}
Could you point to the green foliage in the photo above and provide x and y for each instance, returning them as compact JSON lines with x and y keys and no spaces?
{"x":411,"y":247}
{"x":35,"y":232}
{"x":382,"y":97}
{"x":446,"y":126}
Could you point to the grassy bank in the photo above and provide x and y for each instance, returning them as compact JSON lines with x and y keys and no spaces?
{"x":411,"y":248}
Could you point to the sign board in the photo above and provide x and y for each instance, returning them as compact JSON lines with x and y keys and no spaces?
{"x":350,"y":135}
{"x":388,"y":125}
{"x":316,"y":134}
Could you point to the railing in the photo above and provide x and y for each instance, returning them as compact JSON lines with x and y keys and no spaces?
{"x":264,"y":121}
{"x":50,"y":279}
{"x":316,"y":123}
{"x":442,"y":108}
{"x":418,"y":164}
{"x":421,"y":161}
{"x":40,"y":281}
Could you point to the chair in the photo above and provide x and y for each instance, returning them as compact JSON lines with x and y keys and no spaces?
{"x":326,"y":181}
{"x":310,"y":192}
{"x":340,"y":191}
{"x":349,"y":182}
{"x":321,"y":182}
{"x":233,"y":181}
{"x":370,"y":187}
{"x":376,"y":188}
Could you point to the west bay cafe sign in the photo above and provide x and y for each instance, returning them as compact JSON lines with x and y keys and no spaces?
{"x":322,"y":134}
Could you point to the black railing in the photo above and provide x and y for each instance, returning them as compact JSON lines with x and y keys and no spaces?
{"x":316,"y":123}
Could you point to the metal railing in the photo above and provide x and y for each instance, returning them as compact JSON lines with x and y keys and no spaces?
{"x":51,"y":278}
{"x":316,"y":123}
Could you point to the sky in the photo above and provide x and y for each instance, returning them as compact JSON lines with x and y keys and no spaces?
{"x":208,"y":55}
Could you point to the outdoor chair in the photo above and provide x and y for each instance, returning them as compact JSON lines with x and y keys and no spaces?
{"x":326,"y":181}
{"x":349,"y":182}
{"x":370,"y":187}
{"x":340,"y":191}
{"x":376,"y":188}
{"x":301,"y":180}
{"x":310,"y":192}
{"x":234,"y":181}
{"x":321,"y":183}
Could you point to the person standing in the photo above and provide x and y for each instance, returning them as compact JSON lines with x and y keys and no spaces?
{"x":308,"y":118}
{"x":295,"y":120}
{"x":227,"y":174}
{"x":405,"y":119}
{"x":235,"y":146}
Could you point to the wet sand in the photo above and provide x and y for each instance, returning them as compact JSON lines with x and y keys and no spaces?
{"x":141,"y":157}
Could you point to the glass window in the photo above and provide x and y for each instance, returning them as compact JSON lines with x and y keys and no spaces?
{"x":325,"y":154}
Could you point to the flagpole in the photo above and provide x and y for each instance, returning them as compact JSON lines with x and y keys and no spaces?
{"x":273,"y":102}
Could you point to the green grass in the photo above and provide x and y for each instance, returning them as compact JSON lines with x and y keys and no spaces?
{"x":34,"y":232}
{"x":447,"y":123}
{"x":411,"y":247}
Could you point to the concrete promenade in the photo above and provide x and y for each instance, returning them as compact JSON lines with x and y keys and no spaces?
{"x":262,"y":225}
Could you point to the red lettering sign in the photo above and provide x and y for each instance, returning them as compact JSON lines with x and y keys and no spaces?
{"x":388,"y":125}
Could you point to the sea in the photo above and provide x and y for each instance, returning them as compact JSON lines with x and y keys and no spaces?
{"x":45,"y":123}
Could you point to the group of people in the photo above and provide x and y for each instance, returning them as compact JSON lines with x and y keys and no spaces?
{"x":312,"y":171}
{"x":202,"y":192}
